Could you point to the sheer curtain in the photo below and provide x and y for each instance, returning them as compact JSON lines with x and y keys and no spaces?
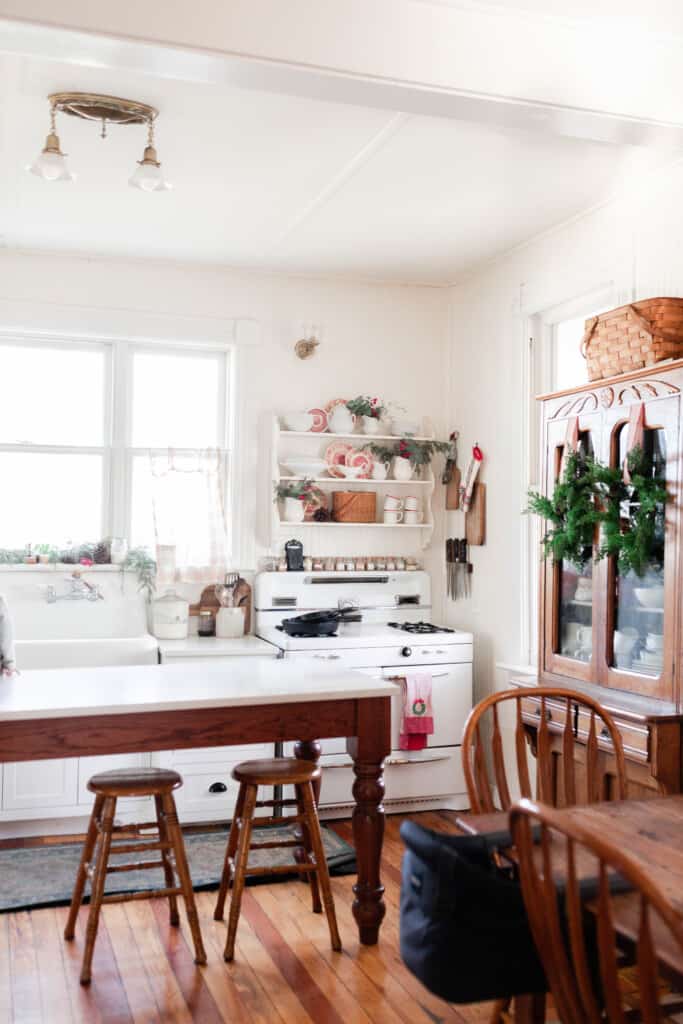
{"x":190,"y":523}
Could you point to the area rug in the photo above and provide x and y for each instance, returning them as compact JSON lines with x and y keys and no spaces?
{"x":43,"y":876}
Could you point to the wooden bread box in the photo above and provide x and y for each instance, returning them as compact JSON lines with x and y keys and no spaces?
{"x":354,"y":506}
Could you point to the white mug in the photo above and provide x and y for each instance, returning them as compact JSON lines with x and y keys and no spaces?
{"x":411,"y":503}
{"x":655,"y":642}
{"x":390,"y":502}
{"x":412,"y":516}
{"x":584,"y":635}
{"x":393,"y":518}
{"x":570,"y":635}
{"x":624,"y":640}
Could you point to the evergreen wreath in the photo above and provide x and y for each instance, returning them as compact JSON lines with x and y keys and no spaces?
{"x":589,"y":495}
{"x":571,"y":512}
{"x":633,"y":514}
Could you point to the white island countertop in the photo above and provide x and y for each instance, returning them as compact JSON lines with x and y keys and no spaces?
{"x":73,"y":692}
{"x":216,"y":647}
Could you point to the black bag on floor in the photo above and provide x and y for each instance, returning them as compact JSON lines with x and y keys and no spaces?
{"x":464,"y":930}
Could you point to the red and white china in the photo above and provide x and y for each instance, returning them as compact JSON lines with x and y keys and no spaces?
{"x":335,"y":456}
{"x":333,"y":404}
{"x":319,"y":420}
{"x":363,"y":461}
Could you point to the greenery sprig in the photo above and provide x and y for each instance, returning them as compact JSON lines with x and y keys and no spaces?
{"x":420,"y":453}
{"x":299,"y":489}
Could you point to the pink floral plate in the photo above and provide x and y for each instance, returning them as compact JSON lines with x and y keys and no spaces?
{"x":362,"y":459}
{"x":319,"y":420}
{"x":335,"y":455}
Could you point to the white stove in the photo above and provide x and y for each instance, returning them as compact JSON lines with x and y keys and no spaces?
{"x":387,"y":631}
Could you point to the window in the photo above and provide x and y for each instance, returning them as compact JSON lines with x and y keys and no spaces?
{"x":568,"y":365}
{"x":77,"y":425}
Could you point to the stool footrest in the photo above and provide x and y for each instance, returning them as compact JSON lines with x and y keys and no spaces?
{"x":276,"y":803}
{"x":287,"y":819}
{"x":123,"y":897}
{"x":281,"y":869}
{"x":142,"y":865}
{"x":275,"y":845}
{"x":139,"y":847}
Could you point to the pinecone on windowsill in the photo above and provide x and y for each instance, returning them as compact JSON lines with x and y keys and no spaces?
{"x":102,"y":553}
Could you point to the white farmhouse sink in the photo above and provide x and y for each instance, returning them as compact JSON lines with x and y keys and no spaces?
{"x":89,"y":653}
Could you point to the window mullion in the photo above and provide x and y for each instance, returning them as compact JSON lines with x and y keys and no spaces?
{"x":119,"y":490}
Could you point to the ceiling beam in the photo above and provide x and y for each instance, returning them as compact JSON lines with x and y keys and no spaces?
{"x":468,"y":61}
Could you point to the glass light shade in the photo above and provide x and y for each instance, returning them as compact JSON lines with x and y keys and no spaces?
{"x":148,"y":177}
{"x":51,"y":166}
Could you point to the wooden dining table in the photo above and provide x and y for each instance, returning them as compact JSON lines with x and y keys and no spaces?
{"x":79,"y":712}
{"x":650,"y":832}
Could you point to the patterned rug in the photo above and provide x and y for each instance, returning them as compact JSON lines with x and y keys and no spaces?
{"x":43,"y":876}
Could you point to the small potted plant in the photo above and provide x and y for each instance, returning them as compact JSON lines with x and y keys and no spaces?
{"x":411,"y":455}
{"x":293,"y":494}
{"x":369,"y":410}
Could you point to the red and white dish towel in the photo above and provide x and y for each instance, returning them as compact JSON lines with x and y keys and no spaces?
{"x":417,"y":715}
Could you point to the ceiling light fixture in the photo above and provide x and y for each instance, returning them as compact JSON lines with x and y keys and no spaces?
{"x":51,"y":163}
{"x":147,"y":175}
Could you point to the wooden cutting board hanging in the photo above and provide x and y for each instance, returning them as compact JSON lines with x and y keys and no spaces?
{"x":475,"y":517}
{"x":453,"y":490}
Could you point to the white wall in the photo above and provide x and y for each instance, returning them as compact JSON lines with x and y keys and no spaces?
{"x":388,"y":340}
{"x":635,"y":245}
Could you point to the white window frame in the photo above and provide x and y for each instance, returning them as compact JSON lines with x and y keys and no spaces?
{"x":538,"y":376}
{"x":116,"y":448}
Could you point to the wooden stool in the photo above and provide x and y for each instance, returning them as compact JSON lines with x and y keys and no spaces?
{"x":108,"y":787}
{"x":280,"y":771}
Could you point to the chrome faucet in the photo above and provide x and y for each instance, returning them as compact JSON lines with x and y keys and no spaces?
{"x":79,"y":590}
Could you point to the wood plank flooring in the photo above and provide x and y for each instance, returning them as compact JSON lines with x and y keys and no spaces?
{"x":284,"y":971}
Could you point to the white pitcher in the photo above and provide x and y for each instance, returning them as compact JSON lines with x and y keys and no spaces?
{"x":294,"y":510}
{"x":341,"y":420}
{"x":403,"y":468}
{"x":380,"y":470}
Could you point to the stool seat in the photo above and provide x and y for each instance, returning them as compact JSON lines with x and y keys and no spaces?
{"x":278,"y":771}
{"x":135,"y":782}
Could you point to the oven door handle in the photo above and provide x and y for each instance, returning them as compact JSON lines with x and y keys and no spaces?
{"x":393,"y":678}
{"x":401,"y":762}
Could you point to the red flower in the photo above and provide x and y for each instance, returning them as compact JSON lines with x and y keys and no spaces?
{"x":86,"y":561}
{"x":373,"y":401}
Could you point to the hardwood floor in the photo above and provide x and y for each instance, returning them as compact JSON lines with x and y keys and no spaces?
{"x":284,"y":970}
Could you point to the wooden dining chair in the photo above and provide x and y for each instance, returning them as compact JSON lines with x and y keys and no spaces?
{"x":572,"y":876}
{"x":558,"y":714}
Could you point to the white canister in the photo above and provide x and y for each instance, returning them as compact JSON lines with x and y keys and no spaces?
{"x":118,"y":550}
{"x":170,"y":616}
{"x":402,"y":468}
{"x":230,"y":623}
{"x":294,"y":510}
{"x":371,"y":424}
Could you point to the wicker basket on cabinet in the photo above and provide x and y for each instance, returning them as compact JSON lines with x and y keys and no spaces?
{"x":633,"y":336}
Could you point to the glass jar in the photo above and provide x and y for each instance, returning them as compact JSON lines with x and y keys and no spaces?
{"x":207,"y":623}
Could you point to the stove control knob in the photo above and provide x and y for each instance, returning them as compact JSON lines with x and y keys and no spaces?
{"x":406,"y":651}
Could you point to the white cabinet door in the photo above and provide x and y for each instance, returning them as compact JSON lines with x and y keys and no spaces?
{"x":88,"y":766}
{"x":40,"y":784}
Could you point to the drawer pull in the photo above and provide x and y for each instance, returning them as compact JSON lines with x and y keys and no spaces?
{"x":605,"y":732}
{"x":548,"y":714}
{"x":218,"y":787}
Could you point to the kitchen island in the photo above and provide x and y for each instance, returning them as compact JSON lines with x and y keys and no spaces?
{"x":80,"y":712}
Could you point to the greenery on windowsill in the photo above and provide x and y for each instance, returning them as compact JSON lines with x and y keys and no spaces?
{"x":140,"y":561}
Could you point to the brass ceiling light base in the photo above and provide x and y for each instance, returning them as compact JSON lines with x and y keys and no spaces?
{"x":92,"y":106}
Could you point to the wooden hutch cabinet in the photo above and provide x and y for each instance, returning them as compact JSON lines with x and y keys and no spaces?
{"x":618,"y":638}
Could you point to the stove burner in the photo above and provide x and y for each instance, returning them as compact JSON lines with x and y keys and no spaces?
{"x":419,"y":627}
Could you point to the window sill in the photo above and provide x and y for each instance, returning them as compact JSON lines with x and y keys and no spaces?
{"x":59,"y":567}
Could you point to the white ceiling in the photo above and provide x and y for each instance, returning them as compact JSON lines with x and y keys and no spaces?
{"x":289,"y":183}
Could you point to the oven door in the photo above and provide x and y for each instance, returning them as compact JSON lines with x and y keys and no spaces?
{"x":451,"y":702}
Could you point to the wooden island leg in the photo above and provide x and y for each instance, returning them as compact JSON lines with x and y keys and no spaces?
{"x":368,"y":750}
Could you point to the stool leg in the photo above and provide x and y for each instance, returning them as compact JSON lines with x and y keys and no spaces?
{"x":321,"y":863}
{"x":240,"y":868}
{"x":169,"y":874}
{"x":97,"y":888}
{"x":306,"y":841}
{"x":81,"y":875}
{"x":226,"y":876}
{"x":176,"y":837}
